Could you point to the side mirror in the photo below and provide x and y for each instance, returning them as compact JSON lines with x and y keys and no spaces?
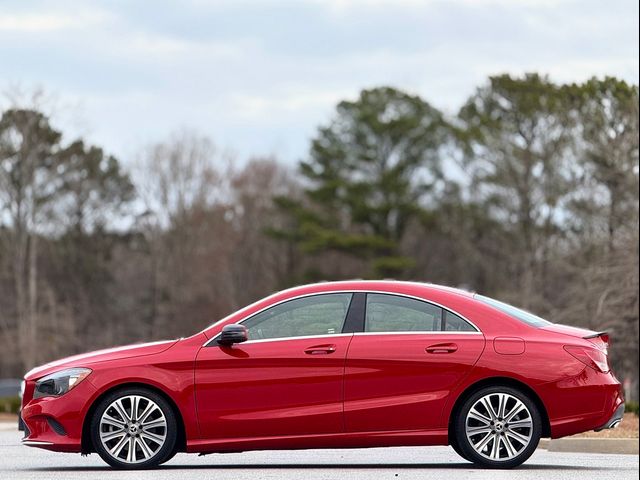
{"x":234,"y":333}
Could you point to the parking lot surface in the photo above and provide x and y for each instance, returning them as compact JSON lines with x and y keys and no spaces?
{"x":20,"y":462}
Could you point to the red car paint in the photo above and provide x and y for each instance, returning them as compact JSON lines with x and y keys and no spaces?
{"x":381,"y":389}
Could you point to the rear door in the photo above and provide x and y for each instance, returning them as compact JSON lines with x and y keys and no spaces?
{"x":401,"y":368}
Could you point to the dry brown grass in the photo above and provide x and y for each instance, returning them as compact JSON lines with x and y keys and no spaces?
{"x":8,"y":417}
{"x":627,"y":429}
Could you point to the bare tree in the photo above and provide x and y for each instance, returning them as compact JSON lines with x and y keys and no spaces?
{"x":28,"y":146}
{"x":260,"y":263}
{"x":179,"y":182}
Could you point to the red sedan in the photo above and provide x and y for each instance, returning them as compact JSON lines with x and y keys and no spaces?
{"x":333,"y":365}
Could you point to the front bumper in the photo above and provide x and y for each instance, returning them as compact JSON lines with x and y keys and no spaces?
{"x":21,"y":426}
{"x":55,"y":423}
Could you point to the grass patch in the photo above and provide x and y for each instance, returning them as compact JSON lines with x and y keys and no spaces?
{"x":10,"y":404}
{"x":631,"y":407}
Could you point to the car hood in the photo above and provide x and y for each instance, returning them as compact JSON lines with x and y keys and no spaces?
{"x":571,"y":331}
{"x":97,"y":356}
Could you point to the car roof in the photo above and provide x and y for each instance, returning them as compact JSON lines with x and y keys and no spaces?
{"x":374,"y":285}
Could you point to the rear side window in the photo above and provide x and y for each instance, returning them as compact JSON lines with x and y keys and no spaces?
{"x":517,"y":313}
{"x":453,"y":323}
{"x":394,"y":313}
{"x":391,"y":313}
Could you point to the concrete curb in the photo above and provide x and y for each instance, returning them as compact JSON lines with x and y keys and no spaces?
{"x":591,"y":445}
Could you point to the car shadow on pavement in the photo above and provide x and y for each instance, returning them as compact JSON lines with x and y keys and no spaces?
{"x":346,"y":466}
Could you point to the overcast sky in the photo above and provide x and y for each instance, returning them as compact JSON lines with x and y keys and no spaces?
{"x":258,"y":77}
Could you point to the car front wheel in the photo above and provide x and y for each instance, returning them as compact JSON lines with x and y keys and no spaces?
{"x":134,"y":428}
{"x":498,"y":427}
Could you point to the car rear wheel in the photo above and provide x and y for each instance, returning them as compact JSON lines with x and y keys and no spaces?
{"x":498,"y":427}
{"x":134,"y":428}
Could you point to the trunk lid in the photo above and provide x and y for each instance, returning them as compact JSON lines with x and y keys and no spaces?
{"x":599,"y":339}
{"x":571,"y":331}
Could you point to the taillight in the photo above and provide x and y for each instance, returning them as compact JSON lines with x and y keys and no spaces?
{"x":591,"y":357}
{"x":600,"y":340}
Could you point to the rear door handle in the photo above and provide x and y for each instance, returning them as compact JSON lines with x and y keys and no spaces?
{"x":442,"y":348}
{"x":320,"y":350}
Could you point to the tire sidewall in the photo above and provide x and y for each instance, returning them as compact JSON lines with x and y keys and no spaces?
{"x":469,"y":451}
{"x":456,"y":448}
{"x":165,"y":451}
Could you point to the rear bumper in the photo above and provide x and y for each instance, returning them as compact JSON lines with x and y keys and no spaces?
{"x":615,"y":419}
{"x":587,"y":401}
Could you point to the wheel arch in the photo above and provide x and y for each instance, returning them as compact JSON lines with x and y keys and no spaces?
{"x":506,"y":382}
{"x":87,"y":444}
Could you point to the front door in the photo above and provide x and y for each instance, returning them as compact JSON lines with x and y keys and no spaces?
{"x":285,"y":380}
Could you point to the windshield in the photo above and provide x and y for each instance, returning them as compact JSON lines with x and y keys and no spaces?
{"x":517,"y":313}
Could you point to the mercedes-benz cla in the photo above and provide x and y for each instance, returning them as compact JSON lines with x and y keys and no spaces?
{"x":333,"y":365}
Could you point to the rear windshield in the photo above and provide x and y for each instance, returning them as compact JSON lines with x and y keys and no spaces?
{"x":517,"y":313}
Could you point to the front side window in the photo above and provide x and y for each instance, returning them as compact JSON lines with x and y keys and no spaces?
{"x":315,"y":315}
{"x":391,"y":313}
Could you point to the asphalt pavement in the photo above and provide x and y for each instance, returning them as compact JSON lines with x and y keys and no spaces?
{"x":20,"y":462}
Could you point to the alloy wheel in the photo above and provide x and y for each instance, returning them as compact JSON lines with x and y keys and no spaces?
{"x":499,"y":426}
{"x":133,"y":429}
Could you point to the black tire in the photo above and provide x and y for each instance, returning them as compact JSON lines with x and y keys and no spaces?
{"x":470,"y":453}
{"x":169,"y":457}
{"x":454,"y":444}
{"x":164,"y":453}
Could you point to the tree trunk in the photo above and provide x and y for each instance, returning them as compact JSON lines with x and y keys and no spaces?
{"x":611,"y":221}
{"x":19,"y":276}
{"x":32,"y":309}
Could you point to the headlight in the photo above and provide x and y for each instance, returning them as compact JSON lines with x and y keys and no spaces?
{"x":23,"y":384}
{"x":59,"y":383}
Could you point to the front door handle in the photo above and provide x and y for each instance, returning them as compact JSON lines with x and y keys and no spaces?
{"x":320,"y":350}
{"x":442,"y":348}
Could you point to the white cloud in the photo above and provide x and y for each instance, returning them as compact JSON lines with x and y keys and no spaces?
{"x":290,"y":102}
{"x":262,"y":79}
{"x":48,"y":22}
{"x":355,"y":6}
{"x":162,"y":46}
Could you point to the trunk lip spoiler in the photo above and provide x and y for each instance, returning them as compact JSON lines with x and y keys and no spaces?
{"x":596,"y":335}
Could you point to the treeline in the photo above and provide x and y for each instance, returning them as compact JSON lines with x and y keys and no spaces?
{"x":528,"y":194}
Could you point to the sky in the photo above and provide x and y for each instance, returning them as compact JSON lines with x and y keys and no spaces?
{"x":259,"y":77}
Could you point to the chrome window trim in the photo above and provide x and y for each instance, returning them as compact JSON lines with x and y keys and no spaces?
{"x":414,"y":332}
{"x":303,"y":337}
{"x":383,"y":292}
